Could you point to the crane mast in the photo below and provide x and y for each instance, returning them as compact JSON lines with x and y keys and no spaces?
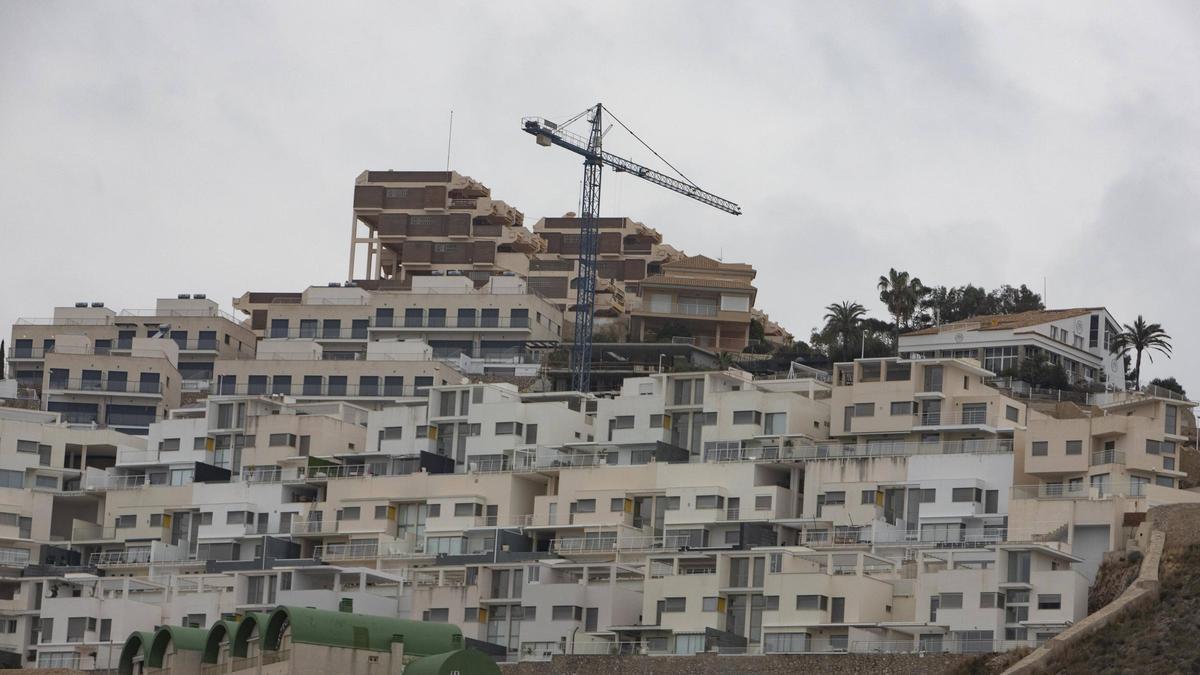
{"x":594,"y":160}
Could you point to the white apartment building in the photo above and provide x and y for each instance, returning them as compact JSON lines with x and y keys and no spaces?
{"x":1079,"y":340}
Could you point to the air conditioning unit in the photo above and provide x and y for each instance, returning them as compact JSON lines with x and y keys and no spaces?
{"x":81,"y":304}
{"x":183,"y":296}
{"x":199,"y":296}
{"x":334,"y":284}
{"x":97,"y":304}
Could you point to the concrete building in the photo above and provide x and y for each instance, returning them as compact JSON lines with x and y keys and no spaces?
{"x":698,"y":297}
{"x":202,"y":332}
{"x":413,"y":223}
{"x":1079,"y":340}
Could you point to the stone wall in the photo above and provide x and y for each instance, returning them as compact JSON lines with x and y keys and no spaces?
{"x":713,"y":664}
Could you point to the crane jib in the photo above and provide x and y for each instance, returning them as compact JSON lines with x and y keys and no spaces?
{"x":595,"y":158}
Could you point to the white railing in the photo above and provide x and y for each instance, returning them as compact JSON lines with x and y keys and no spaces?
{"x":1051,"y":491}
{"x":359,"y":551}
{"x":607,"y":544}
{"x":720,"y":452}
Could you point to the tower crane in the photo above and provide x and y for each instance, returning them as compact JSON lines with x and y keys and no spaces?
{"x":594,"y":159}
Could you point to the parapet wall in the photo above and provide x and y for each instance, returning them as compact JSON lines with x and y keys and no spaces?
{"x":714,"y":664}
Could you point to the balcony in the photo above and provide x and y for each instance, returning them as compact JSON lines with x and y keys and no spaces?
{"x":950,"y":418}
{"x":325,"y":389}
{"x":1066,"y":491}
{"x":735,"y":452}
{"x":670,"y":542}
{"x":701,"y":310}
{"x":399,"y":324}
{"x":1107,"y":457}
{"x":314,"y":527}
{"x":106,"y":387}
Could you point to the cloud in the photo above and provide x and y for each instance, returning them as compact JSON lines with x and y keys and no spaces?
{"x":161,"y":147}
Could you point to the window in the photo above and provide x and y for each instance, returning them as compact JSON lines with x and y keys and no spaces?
{"x":563,"y":612}
{"x":509,"y":428}
{"x":437,"y":615}
{"x":950,"y":601}
{"x":710,"y":502}
{"x":1012,"y":414}
{"x":169,"y":445}
{"x":238,"y":517}
{"x":585,"y":506}
{"x":999,"y":359}
{"x":904,"y":408}
{"x":1164,"y":481}
{"x":784,"y":643}
{"x":464,"y":509}
{"x":835,"y":498}
{"x":623,"y":422}
{"x":674,"y":604}
{"x":771,"y":603}
{"x":810,"y":602}
{"x":105,"y":630}
{"x":1049,"y":601}
{"x":711,"y":604}
{"x":30,"y":447}
{"x":1169,"y":463}
{"x":1040,"y":448}
{"x":672,"y":504}
{"x":1018,"y":567}
{"x":156,"y":520}
{"x":1152,"y":446}
{"x":776,"y":424}
{"x":276,"y":440}
{"x":206,"y":518}
{"x":864,"y":409}
{"x":965,"y":495}
{"x":125,"y":522}
{"x":1074,"y":447}
{"x":76,"y":626}
{"x":747,"y":417}
{"x":991,"y":600}
{"x":617,"y":504}
{"x":349,"y":513}
{"x":1170,"y":419}
{"x":762,"y":503}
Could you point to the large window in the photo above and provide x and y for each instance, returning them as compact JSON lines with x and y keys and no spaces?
{"x":1170,"y":419}
{"x":999,"y":359}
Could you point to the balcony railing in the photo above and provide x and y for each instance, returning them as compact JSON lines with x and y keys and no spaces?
{"x":324,"y":389}
{"x":615,"y":543}
{"x":1107,"y":457}
{"x":1099,"y":491}
{"x":106,"y":386}
{"x":769,"y":453}
{"x":425,"y":321}
{"x":314,"y":526}
{"x":946,"y":418}
{"x":684,"y":308}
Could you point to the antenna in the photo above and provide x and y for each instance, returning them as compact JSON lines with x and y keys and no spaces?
{"x":449,"y":138}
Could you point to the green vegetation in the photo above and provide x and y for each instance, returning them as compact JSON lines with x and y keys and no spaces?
{"x":1140,"y":337}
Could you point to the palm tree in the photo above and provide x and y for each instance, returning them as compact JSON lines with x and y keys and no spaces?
{"x":902,"y":294}
{"x":1142,"y":337}
{"x":843,"y":321}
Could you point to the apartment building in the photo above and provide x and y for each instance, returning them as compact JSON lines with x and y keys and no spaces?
{"x":412,"y":223}
{"x":698,"y":297}
{"x":627,"y":253}
{"x":496,"y":329}
{"x":1086,"y":467}
{"x":202,"y":332}
{"x":1080,"y":340}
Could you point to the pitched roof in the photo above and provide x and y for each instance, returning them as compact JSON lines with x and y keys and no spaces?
{"x":705,"y":262}
{"x":1006,"y":321}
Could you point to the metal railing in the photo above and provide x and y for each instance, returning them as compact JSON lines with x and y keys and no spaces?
{"x":361,"y":551}
{"x":767,"y":453}
{"x":314,"y":526}
{"x":1050,"y":491}
{"x":1107,"y":457}
{"x":324,"y":389}
{"x":617,"y":543}
{"x":106,"y":386}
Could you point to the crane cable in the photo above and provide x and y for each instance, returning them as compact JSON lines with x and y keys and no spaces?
{"x":652,"y":150}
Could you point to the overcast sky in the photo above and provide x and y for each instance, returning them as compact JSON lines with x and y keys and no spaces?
{"x":153,"y":148}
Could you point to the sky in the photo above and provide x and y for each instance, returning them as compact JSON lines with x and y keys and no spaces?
{"x":153,"y":148}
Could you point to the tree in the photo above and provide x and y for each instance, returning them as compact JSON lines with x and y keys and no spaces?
{"x":1142,"y":337}
{"x":672,"y":329}
{"x":943,"y":304}
{"x":1038,"y":371}
{"x":844,"y":320}
{"x":902,"y":294}
{"x":1169,"y":383}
